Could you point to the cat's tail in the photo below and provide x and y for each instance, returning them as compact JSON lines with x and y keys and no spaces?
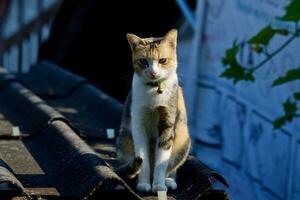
{"x":131,"y":169}
{"x":134,"y":167}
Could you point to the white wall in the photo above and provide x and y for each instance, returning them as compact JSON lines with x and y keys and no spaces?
{"x":233,"y":123}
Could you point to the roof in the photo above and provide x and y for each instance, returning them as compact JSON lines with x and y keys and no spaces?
{"x":57,"y":141}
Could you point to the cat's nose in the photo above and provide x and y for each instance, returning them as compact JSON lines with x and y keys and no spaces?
{"x":153,"y":74}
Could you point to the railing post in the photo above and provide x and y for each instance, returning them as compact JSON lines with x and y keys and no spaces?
{"x":17,"y":40}
{"x":192,"y":69}
{"x":1,"y":53}
{"x":20,"y":18}
{"x":188,"y":13}
{"x":4,"y":10}
{"x":1,"y":59}
{"x":39,"y":31}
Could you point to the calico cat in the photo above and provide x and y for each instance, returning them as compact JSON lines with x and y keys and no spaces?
{"x":154,"y":136}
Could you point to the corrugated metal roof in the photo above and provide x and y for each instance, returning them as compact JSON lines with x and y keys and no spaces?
{"x":54,"y":142}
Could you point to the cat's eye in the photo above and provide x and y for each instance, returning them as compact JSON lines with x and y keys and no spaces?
{"x":143,"y":62}
{"x":162,"y":60}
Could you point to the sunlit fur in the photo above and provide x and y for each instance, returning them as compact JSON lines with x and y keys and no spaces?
{"x":154,"y":49}
{"x":154,"y":126}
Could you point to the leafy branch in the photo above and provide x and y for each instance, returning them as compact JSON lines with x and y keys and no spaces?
{"x":279,"y":49}
{"x":290,"y":107}
{"x":259,"y":44}
{"x":290,"y":112}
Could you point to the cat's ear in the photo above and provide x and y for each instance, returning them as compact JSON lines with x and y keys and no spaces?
{"x":134,"y":40}
{"x":171,"y":38}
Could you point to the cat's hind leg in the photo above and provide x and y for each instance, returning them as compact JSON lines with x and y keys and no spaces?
{"x":171,"y":181}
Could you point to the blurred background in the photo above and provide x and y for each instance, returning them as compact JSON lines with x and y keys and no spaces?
{"x":231,"y":124}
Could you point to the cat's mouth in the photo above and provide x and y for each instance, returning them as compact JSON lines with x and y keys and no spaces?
{"x":154,"y":81}
{"x":152,"y":78}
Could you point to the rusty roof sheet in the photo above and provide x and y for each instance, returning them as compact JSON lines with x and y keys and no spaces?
{"x":54,"y":142}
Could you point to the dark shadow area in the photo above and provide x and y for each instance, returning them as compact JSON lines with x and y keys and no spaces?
{"x":88,"y":37}
{"x":91,"y":111}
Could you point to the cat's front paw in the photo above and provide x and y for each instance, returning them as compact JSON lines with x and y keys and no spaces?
{"x":159,"y":187}
{"x":171,"y":183}
{"x":143,"y":187}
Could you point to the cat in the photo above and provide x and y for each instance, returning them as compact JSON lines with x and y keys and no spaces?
{"x":153,"y":135}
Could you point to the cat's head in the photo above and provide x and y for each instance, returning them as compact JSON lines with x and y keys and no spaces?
{"x":154,"y":59}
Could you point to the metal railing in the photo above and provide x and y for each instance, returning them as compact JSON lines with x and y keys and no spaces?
{"x":19,"y":50}
{"x":187,"y":12}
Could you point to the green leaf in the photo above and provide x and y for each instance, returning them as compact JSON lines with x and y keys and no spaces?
{"x":282,"y":31}
{"x":249,"y":76}
{"x":230,"y":56}
{"x":290,"y":108}
{"x":290,"y":117}
{"x":257,"y":48}
{"x":263,"y":37}
{"x":292,"y":12}
{"x":291,"y":75}
{"x":297,"y":96}
{"x":237,"y":73}
{"x":279,"y":122}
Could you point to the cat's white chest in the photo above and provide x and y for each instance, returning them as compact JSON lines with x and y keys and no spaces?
{"x":144,"y":95}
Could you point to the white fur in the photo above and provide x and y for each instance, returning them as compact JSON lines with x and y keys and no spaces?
{"x":162,"y":158}
{"x":141,"y":148}
{"x":171,"y":183}
{"x":145,"y":96}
